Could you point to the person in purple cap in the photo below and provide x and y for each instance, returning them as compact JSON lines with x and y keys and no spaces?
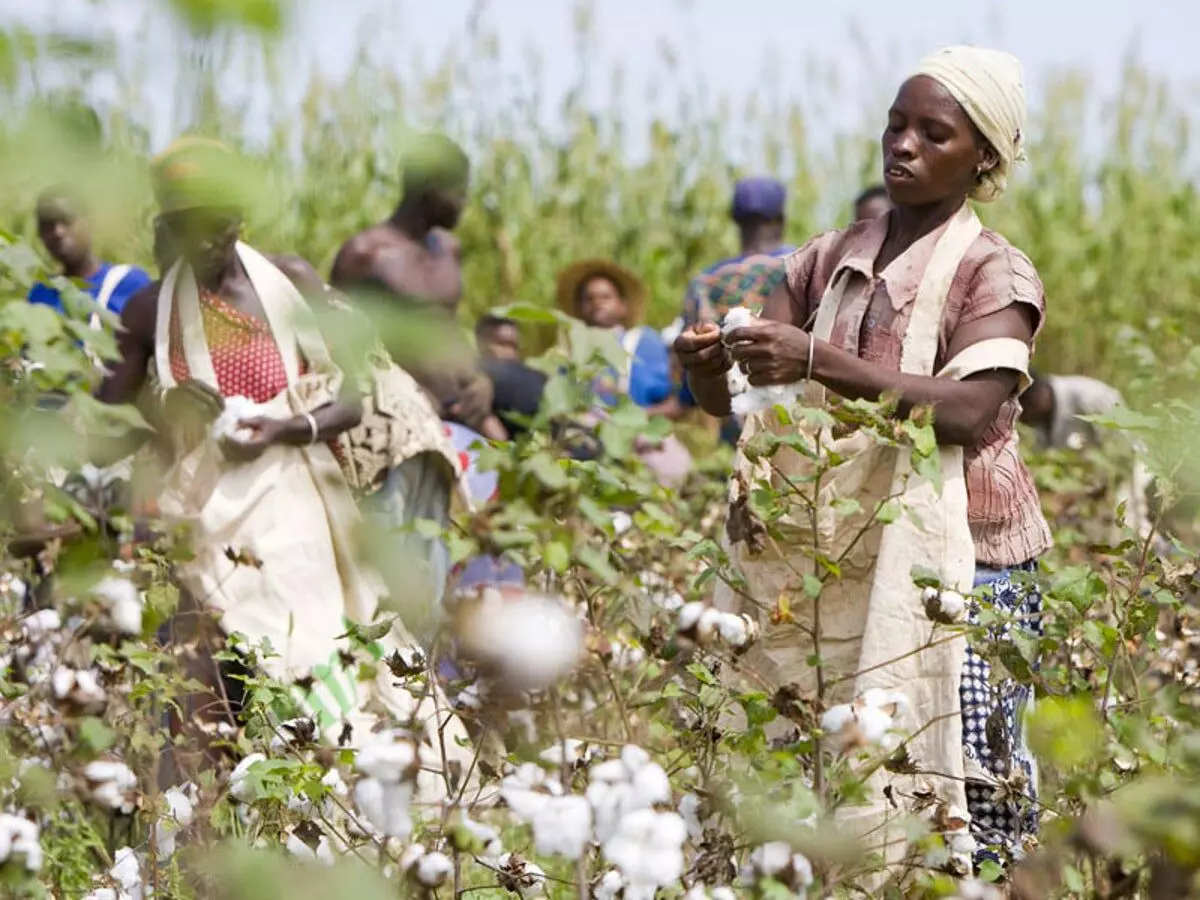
{"x":758,"y":210}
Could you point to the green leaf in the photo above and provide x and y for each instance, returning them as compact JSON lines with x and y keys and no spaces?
{"x":598,"y":562}
{"x":95,"y":736}
{"x":557,"y":556}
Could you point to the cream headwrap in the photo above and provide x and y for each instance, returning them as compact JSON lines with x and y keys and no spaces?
{"x":988,"y":84}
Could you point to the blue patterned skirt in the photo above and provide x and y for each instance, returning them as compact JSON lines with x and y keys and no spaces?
{"x":992,"y":714}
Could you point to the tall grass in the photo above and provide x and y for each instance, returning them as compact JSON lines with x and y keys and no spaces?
{"x":1113,"y":233}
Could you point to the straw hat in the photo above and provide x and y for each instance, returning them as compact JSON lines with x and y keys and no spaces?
{"x":572,"y":278}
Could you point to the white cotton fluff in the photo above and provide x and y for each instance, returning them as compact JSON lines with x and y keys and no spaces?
{"x":123,"y":601}
{"x":236,"y":409}
{"x":19,"y":842}
{"x":747,"y":399}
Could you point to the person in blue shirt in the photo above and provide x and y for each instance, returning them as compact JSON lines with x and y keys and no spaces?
{"x":758,"y":209}
{"x":605,"y":295}
{"x":64,"y":230}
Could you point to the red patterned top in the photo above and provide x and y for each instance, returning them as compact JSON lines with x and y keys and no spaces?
{"x":244,"y":354}
{"x":245,"y":357}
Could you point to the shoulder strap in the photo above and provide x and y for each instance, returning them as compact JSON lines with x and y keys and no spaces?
{"x":629,"y":343}
{"x":112,"y":278}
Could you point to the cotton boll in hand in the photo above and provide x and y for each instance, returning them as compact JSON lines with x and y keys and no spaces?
{"x":227,"y":427}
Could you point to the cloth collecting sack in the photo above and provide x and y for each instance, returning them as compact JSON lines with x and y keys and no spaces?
{"x":290,"y":512}
{"x":873,"y":629}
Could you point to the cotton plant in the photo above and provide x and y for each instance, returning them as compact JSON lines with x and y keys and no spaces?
{"x":646,"y":846}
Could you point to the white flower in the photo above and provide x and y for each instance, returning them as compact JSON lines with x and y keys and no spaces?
{"x":563,"y":826}
{"x":946,"y":607}
{"x":433,"y":869}
{"x":127,"y":872}
{"x":19,"y":842}
{"x":647,"y":847}
{"x":621,"y":786}
{"x":181,"y":809}
{"x":385,"y":806}
{"x":391,"y":758}
{"x":527,"y":789}
{"x":529,"y":641}
{"x":239,"y":779}
{"x":112,"y":784}
{"x":123,"y":601}
{"x":226,"y":424}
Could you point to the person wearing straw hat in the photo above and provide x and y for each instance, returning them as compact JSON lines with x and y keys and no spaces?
{"x":924,"y":305}
{"x":252,"y":404}
{"x":605,"y":295}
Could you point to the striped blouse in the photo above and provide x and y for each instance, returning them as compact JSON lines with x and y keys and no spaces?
{"x":1003,"y":508}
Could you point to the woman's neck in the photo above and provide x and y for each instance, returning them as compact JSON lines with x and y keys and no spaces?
{"x":908,"y":224}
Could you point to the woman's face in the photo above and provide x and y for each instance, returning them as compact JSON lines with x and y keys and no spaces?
{"x":601,"y":304}
{"x":931,"y":150}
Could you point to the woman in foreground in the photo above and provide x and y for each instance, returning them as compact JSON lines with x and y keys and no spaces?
{"x":924,"y":305}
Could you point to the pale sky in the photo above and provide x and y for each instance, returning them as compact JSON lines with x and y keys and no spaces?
{"x":733,"y":47}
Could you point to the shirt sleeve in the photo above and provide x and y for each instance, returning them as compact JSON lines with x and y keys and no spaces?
{"x":135,"y":279}
{"x":802,"y":270}
{"x":650,"y":377}
{"x":1006,"y":276}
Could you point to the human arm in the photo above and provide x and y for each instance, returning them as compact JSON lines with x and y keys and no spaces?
{"x":1005,"y":301}
{"x":322,"y":424}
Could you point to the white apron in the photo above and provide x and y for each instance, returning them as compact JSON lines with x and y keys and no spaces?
{"x":291,"y":509}
{"x":872,"y":618}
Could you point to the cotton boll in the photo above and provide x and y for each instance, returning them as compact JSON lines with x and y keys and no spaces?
{"x":689,"y":811}
{"x":411,"y":855}
{"x":689,"y":615}
{"x":608,"y":886}
{"x":528,"y":642}
{"x":943,"y":606}
{"x":392,"y":757}
{"x":239,"y":779}
{"x":179,"y":815}
{"x":875,"y":726}
{"x":699,"y":623}
{"x":19,"y":842}
{"x":520,"y":876}
{"x":647,"y":848}
{"x":562,"y":826}
{"x":112,"y":785}
{"x":41,"y":624}
{"x":433,"y":869}
{"x":385,"y":806}
{"x":226,"y":426}
{"x":770,"y":859}
{"x":738,"y":317}
{"x":127,"y":872}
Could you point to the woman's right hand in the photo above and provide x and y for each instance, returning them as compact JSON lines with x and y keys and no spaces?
{"x":701,"y":352}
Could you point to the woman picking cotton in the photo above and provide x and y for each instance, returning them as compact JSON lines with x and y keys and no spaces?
{"x":229,"y":337}
{"x":924,"y":305}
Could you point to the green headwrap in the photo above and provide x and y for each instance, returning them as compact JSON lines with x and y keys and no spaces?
{"x":195,"y":173}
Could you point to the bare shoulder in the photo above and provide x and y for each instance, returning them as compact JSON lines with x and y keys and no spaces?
{"x":299,"y":271}
{"x":361,"y":257}
{"x":140,"y":312}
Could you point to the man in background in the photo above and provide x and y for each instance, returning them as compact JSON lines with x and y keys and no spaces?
{"x":498,"y":338}
{"x":759,"y":212}
{"x":63,"y":227}
{"x":408,"y":270}
{"x":1052,"y":408}
{"x":872,"y":203}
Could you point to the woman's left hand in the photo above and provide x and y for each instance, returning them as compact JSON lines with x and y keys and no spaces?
{"x":770,"y":352}
{"x":263,"y":433}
